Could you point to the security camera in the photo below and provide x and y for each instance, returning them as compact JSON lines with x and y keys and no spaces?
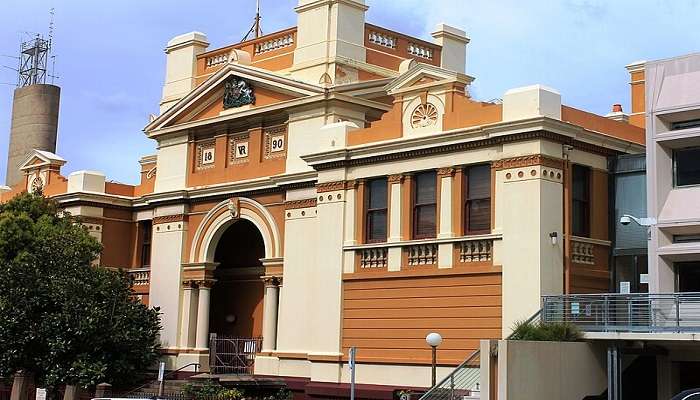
{"x":625,"y":220}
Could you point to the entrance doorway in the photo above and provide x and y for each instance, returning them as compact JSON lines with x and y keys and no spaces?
{"x":236,"y":310}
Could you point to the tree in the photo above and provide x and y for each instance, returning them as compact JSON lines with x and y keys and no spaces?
{"x":63,"y":319}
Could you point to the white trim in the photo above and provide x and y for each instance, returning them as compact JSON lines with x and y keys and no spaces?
{"x":209,"y":239}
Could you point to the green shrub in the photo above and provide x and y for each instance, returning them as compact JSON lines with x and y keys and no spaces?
{"x":282,"y":394}
{"x":546,"y":332}
{"x":210,"y":390}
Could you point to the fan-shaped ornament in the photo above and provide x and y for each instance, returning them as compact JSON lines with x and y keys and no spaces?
{"x":37,"y":185}
{"x":424,"y":115}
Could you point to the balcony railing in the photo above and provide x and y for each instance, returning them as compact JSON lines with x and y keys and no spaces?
{"x":466,"y":251}
{"x":640,"y":313}
{"x":373,"y":258}
{"x":142,"y":276}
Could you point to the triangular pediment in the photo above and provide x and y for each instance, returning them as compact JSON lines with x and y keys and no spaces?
{"x":41,"y":158}
{"x":424,"y":76}
{"x":206,"y":101}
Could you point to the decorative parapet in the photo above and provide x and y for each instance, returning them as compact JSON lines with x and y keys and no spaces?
{"x":582,"y":252}
{"x":382,"y":39}
{"x":421,"y":51}
{"x":422,"y":254}
{"x":476,"y":251}
{"x":374,"y":258}
{"x":274,"y":43}
{"x":467,"y":251}
{"x":217,"y":59}
{"x":142,"y":276}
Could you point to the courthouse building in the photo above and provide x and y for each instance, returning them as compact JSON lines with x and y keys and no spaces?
{"x":334,"y":185}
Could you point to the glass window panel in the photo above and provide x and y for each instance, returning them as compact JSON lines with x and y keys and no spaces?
{"x":425,"y":188}
{"x":378,"y":194}
{"x":479,"y":215}
{"x":580,"y":183}
{"x":425,"y":221}
{"x":377,"y":225}
{"x":687,"y":166}
{"x":579,"y":218}
{"x":479,"y":182}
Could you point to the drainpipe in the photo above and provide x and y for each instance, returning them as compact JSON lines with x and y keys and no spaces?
{"x":566,"y":149}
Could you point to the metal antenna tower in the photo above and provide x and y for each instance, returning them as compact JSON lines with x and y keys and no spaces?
{"x":34,"y":58}
{"x":256,"y":29}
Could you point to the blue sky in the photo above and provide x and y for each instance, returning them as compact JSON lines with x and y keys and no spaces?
{"x":111,"y":63}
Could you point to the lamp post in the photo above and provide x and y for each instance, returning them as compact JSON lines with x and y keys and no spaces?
{"x":434,"y":340}
{"x":627,"y":219}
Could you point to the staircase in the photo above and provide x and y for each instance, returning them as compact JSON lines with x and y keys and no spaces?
{"x":462,"y":383}
{"x":169,"y":387}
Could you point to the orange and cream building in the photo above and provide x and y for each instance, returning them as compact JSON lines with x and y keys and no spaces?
{"x":334,"y":185}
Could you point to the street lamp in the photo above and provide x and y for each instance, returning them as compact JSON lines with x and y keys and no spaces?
{"x":434,"y":340}
{"x":627,"y":219}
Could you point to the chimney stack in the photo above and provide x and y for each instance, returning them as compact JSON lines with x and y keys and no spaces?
{"x":181,"y":66}
{"x":618,"y":115}
{"x":327,"y":31}
{"x":454,"y":47}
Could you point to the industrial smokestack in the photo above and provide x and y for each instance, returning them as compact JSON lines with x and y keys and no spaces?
{"x":34,"y":125}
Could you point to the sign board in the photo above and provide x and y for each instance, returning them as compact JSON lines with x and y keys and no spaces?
{"x":161,"y":371}
{"x":644,"y":278}
{"x":40,"y":394}
{"x":625,"y":288}
{"x":575,"y":308}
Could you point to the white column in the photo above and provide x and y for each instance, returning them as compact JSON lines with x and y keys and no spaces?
{"x":270,"y":309}
{"x":445,"y":250}
{"x":350,"y":217}
{"x":202,"y":341}
{"x":446,"y":229}
{"x":395,"y":208}
{"x":169,"y":239}
{"x":189,"y":314}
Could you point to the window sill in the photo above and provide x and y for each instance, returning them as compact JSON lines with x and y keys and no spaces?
{"x":493,"y":236}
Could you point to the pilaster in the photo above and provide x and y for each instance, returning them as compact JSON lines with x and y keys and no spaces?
{"x":531,"y":199}
{"x":169,"y":237}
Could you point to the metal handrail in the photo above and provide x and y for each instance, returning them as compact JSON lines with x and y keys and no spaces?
{"x":635,"y":312}
{"x":464,"y":377}
{"x":166,"y":376}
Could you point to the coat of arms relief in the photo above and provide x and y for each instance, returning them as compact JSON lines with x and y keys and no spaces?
{"x":237,"y":93}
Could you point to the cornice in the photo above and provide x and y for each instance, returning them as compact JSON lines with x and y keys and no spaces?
{"x":298,"y":204}
{"x":326,"y":187}
{"x":527,"y":161}
{"x":169,"y":219}
{"x":471,"y":138}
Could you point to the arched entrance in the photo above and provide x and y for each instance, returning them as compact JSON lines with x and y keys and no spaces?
{"x":236,"y":309}
{"x":231,"y":296}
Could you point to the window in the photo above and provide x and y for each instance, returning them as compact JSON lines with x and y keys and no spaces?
{"x":424,"y":205}
{"x":376,"y":204}
{"x":687,"y":166}
{"x":146,"y":234}
{"x":694,"y":123}
{"x":581,"y":194}
{"x":477,"y":199}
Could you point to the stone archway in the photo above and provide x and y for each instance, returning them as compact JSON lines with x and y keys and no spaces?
{"x":225,"y":214}
{"x":237,"y":296}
